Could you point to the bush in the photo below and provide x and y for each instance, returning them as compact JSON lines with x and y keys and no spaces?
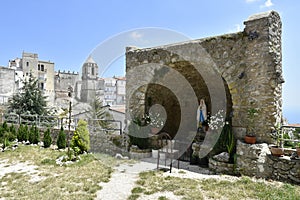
{"x":61,"y":140}
{"x":7,"y":134}
{"x":34,"y":135}
{"x":23,"y":133}
{"x":13,"y":130}
{"x":5,"y":126}
{"x":81,"y":139}
{"x":31,"y":135}
{"x":47,"y":138}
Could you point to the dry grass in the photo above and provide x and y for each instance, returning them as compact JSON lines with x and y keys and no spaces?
{"x":243,"y":188}
{"x":76,"y":181}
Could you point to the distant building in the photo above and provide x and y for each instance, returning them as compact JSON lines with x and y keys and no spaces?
{"x":7,"y":84}
{"x":121,"y":90}
{"x":63,"y":80}
{"x":86,"y":86}
{"x":91,"y":85}
{"x":114,"y":92}
{"x":42,"y":70}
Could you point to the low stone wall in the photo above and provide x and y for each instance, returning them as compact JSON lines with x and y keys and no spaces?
{"x":251,"y":159}
{"x":100,"y":143}
{"x":284,"y":168}
{"x":221,"y":167}
{"x":256,"y":160}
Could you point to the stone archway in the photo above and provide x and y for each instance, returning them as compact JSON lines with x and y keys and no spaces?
{"x":249,"y":63}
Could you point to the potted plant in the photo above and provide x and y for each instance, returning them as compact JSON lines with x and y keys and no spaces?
{"x":277,"y":150}
{"x":250,"y":137}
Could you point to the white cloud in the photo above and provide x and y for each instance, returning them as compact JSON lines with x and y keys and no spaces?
{"x":268,"y":3}
{"x":136,"y":35}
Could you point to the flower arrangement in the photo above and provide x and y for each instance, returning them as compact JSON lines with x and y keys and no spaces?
{"x":216,"y":121}
{"x":156,"y":120}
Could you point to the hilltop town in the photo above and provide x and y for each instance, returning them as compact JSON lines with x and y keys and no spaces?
{"x":56,"y":84}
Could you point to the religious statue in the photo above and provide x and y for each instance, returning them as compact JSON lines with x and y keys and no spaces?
{"x":201,"y":114}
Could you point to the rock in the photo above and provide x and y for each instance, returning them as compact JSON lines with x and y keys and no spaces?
{"x":118,"y":156}
{"x":222,"y":157}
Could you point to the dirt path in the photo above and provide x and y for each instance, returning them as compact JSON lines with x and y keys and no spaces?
{"x":123,"y":181}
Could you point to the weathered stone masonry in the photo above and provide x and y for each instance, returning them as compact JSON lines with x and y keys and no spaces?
{"x":249,"y":63}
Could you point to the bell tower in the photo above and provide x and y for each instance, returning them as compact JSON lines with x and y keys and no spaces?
{"x":90,"y":69}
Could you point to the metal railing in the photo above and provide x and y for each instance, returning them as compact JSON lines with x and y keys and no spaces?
{"x":56,"y":122}
{"x":290,"y":132}
{"x":94,"y":125}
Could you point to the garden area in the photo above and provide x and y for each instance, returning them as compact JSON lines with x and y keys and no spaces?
{"x":32,"y":170}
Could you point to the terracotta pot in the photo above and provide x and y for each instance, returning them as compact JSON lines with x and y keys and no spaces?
{"x":250,"y":139}
{"x":298,"y":151}
{"x":277,"y":151}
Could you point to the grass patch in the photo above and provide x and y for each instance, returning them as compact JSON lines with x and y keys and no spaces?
{"x":76,"y":181}
{"x":245,"y":188}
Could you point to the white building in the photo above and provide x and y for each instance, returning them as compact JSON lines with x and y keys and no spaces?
{"x":42,"y":70}
{"x":114,"y":91}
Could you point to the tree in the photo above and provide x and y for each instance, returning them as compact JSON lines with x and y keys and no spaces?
{"x":81,"y":139}
{"x":61,"y":140}
{"x":98,"y":111}
{"x":29,"y":100}
{"x":47,"y":138}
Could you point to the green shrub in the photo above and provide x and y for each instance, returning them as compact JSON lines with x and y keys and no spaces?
{"x":61,"y":140}
{"x":23,"y":133}
{"x":31,"y":135}
{"x":5,"y":126}
{"x":13,"y":130}
{"x":47,"y":138}
{"x":81,"y":138}
{"x":34,"y":135}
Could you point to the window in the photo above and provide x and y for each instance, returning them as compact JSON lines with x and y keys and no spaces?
{"x":42,"y":86}
{"x":93,"y":71}
{"x":39,"y":67}
{"x":42,"y":67}
{"x":27,"y":64}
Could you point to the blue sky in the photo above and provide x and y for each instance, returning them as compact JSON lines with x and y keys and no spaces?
{"x":67,"y":31}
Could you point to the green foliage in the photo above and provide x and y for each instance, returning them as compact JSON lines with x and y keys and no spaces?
{"x":31,"y":135}
{"x":226,"y":142}
{"x":5,"y":126}
{"x":7,"y":134}
{"x":23,"y":133}
{"x":13,"y":130}
{"x":29,"y":100}
{"x":47,"y":138}
{"x":81,"y":139}
{"x":98,"y":111}
{"x":61,"y":140}
{"x":34,"y":135}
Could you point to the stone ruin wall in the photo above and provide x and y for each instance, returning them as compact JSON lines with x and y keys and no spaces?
{"x":248,"y":61}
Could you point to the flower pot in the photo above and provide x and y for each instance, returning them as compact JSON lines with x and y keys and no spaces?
{"x":250,"y":139}
{"x":277,"y":151}
{"x":298,"y":151}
